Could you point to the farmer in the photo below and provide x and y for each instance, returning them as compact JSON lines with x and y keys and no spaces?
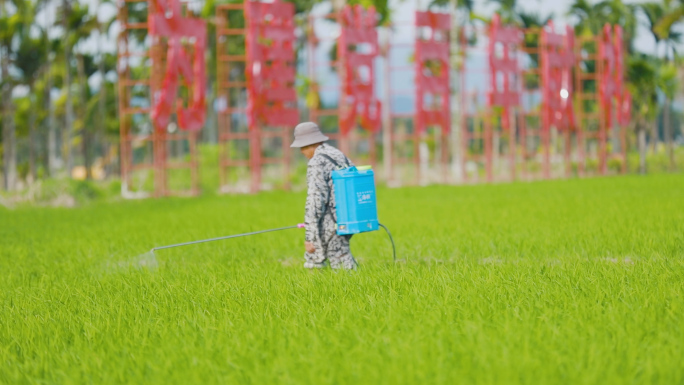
{"x":322,"y":242}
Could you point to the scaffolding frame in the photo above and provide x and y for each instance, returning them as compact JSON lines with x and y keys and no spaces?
{"x":159,"y":137}
{"x":229,"y":89}
{"x":259,"y":43}
{"x":355,"y":137}
{"x":397,"y":138}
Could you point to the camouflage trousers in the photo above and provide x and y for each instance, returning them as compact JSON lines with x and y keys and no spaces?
{"x":333,"y":248}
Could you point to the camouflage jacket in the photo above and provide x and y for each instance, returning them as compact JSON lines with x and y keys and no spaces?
{"x":320,"y":199}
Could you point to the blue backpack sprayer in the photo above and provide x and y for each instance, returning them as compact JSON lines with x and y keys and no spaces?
{"x":356,"y":207}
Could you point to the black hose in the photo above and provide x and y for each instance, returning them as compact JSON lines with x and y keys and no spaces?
{"x":394,"y":249}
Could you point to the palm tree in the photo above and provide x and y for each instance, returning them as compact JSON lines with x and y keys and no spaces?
{"x":80,"y":25}
{"x":86,"y":68}
{"x":11,"y":26}
{"x":7,"y":29}
{"x":30,"y":59}
{"x":667,"y":83}
{"x":507,"y":10}
{"x":592,"y":17}
{"x":69,"y":115}
{"x":642,"y":77}
{"x":588,"y":21}
{"x":52,"y":48}
{"x":102,"y":95}
{"x":655,"y":13}
{"x":674,"y":16}
{"x":616,"y":12}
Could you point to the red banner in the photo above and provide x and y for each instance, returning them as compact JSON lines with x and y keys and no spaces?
{"x":166,"y":20}
{"x":432,"y":71}
{"x":557,"y":64}
{"x":357,"y":48}
{"x":503,"y":65}
{"x":270,"y":68}
{"x":611,"y":56}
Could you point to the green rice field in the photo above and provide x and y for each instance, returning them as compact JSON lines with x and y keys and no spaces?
{"x":557,"y":282}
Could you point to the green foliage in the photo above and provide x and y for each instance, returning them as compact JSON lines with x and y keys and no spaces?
{"x":307,"y":89}
{"x":528,"y":21}
{"x":111,"y":119}
{"x":382,"y":6}
{"x":556,"y":282}
{"x":16,"y":23}
{"x":22,"y":110}
{"x":642,"y":80}
{"x":85,"y":191}
{"x":591,"y":17}
{"x":31,"y":57}
{"x":466,"y":5}
{"x":654,"y":12}
{"x":67,"y":192}
{"x":658,"y":162}
{"x":303,"y":6}
{"x":81,"y":23}
{"x":507,"y":9}
{"x":667,"y":79}
{"x":664,"y":25}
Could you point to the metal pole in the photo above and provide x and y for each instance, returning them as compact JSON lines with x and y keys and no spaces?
{"x":226,"y":237}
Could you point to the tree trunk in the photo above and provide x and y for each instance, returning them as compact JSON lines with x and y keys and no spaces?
{"x":210,"y":133}
{"x":668,"y":133}
{"x":85,"y":132}
{"x":101,"y":103}
{"x":8,"y":133}
{"x":115,"y":169}
{"x":654,"y":136}
{"x":33,"y":139}
{"x":52,"y":131}
{"x":101,"y":114}
{"x":69,"y":113}
{"x":642,"y":148}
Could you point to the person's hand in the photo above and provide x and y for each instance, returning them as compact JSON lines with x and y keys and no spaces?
{"x":309,"y":247}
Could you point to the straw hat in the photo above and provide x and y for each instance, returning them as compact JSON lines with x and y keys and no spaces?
{"x":306,"y":134}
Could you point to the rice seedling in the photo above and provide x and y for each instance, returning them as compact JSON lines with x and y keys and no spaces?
{"x":576,"y":281}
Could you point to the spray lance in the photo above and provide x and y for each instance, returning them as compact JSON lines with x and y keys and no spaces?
{"x":356,"y":208}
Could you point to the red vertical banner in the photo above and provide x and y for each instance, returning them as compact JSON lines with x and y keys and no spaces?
{"x":503,"y":68}
{"x":357,"y":48}
{"x":270,"y":64}
{"x":558,"y":61}
{"x":610,"y":81}
{"x":166,"y":20}
{"x":432,"y":71}
{"x":504,"y":88}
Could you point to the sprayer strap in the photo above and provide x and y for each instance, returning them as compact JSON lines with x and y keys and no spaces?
{"x":325,"y":207}
{"x":333,"y":161}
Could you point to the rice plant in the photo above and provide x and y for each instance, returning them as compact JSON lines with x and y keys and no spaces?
{"x":568,"y":282}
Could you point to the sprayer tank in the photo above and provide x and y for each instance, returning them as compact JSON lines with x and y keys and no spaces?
{"x":355,"y":198}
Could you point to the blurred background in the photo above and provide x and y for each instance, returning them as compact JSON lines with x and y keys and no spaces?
{"x":62,"y":107}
